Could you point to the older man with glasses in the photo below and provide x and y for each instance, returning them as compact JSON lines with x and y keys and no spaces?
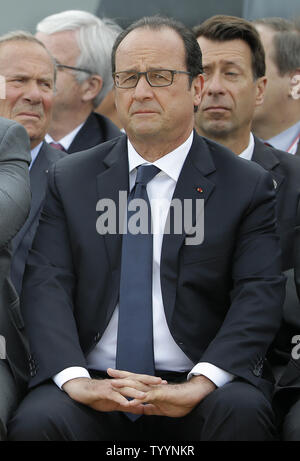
{"x":81,"y":44}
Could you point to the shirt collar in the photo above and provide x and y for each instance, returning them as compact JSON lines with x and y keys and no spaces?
{"x":248,"y":152}
{"x":67,"y":140}
{"x":35,"y":153}
{"x":171,"y":163}
{"x":284,"y":140}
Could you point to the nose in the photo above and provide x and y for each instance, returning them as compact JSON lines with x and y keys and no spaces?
{"x":143,"y":90}
{"x":33,"y":93}
{"x":214,"y":85}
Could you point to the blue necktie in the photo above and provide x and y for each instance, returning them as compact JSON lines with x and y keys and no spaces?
{"x":135,"y":328}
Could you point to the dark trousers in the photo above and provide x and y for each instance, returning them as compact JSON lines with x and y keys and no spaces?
{"x":234,"y":412}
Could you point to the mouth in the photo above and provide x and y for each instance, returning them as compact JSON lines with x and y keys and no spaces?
{"x":216,"y":109}
{"x":29,"y":115}
{"x":144,"y":112}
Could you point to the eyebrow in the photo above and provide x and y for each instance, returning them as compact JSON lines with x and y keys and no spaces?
{"x":26,"y":76}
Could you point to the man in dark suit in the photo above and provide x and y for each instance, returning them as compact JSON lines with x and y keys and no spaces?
{"x":233,"y":61}
{"x":107,"y":328}
{"x":81,"y":44}
{"x":280,"y":128}
{"x":14,"y":208}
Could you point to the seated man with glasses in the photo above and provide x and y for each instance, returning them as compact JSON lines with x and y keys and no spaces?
{"x":138,"y":329}
{"x":81,"y":44}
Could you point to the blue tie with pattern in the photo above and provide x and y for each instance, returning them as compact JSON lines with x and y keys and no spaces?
{"x":135,"y":328}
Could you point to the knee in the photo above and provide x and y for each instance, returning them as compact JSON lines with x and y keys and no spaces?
{"x":29,"y":423}
{"x":37,"y":416}
{"x":238,"y":411}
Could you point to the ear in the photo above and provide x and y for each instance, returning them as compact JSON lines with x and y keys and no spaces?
{"x":197,"y":88}
{"x":261,"y":84}
{"x":294,"y":85}
{"x":91,"y":87}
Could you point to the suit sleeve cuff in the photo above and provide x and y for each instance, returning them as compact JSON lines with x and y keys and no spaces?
{"x":218,"y":376}
{"x":70,"y":373}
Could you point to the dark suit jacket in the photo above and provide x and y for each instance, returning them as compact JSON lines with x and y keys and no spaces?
{"x":38,"y":182}
{"x":288,"y":384}
{"x":298,"y":150}
{"x":285,"y":170}
{"x":14,"y":208}
{"x":96,"y":130}
{"x":222,"y":299}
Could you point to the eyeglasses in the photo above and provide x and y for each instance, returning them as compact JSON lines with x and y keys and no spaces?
{"x":62,"y":66}
{"x":155,"y":78}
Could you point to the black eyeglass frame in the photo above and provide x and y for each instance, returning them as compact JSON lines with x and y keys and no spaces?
{"x":63,"y":66}
{"x":139,"y":74}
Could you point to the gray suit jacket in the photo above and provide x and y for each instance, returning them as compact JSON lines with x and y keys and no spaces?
{"x":22,"y":242}
{"x":14,"y":207}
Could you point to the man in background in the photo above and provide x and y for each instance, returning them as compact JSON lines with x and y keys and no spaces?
{"x":81,"y":44}
{"x":235,"y":84}
{"x":29,"y":70}
{"x":277,"y":120}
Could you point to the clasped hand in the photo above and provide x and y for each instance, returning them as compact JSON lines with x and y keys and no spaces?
{"x":150,"y":395}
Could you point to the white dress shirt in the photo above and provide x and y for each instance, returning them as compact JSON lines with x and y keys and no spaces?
{"x":35,"y":153}
{"x":248,"y":152}
{"x":167,"y":354}
{"x":67,"y":140}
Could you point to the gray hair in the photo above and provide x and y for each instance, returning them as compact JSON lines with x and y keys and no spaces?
{"x":286,"y":43}
{"x":23,"y":36}
{"x":95,"y":39}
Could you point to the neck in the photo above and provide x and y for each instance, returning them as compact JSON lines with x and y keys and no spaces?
{"x":35,"y":142}
{"x":267,"y":128}
{"x":64,"y":122}
{"x":152,"y":151}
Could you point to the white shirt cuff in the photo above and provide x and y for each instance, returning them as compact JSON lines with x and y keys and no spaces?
{"x":70,"y":373}
{"x":218,"y":376}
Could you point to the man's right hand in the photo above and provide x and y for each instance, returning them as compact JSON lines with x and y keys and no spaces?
{"x":100,"y":395}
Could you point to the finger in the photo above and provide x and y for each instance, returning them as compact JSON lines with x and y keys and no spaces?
{"x":120,"y":383}
{"x":118,"y":373}
{"x":146,"y":379}
{"x":132,"y":393}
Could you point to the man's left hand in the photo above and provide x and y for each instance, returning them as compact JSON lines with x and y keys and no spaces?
{"x":172,"y":400}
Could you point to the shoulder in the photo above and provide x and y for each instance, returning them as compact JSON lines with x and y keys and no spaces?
{"x":90,"y":160}
{"x":103,"y":126}
{"x":231,"y":163}
{"x":14,"y":141}
{"x":11,"y":128}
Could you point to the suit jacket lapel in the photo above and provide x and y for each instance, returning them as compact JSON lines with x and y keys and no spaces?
{"x":265,"y":157}
{"x":192,"y":184}
{"x":38,"y":179}
{"x":114,"y":179}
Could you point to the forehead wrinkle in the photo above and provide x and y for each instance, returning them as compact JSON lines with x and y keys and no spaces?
{"x":146,"y":49}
